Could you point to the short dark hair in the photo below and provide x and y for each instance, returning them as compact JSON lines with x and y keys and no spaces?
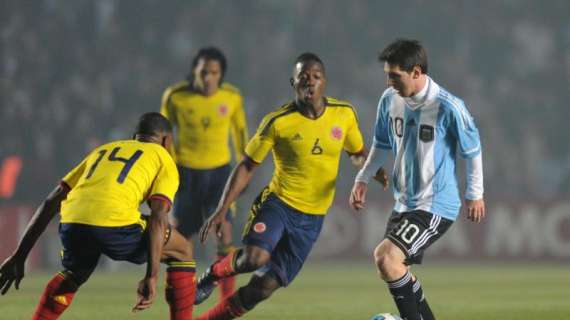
{"x":309,"y":57}
{"x":406,"y":54}
{"x":153,"y":124}
{"x":209,"y":53}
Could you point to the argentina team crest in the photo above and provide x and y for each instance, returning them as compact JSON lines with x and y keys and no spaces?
{"x":336,"y":132}
{"x":223,"y":110}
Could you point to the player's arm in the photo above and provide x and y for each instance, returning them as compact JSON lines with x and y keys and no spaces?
{"x":239,"y":130}
{"x":465,"y":131}
{"x":157,"y":224}
{"x":237,"y":181}
{"x":376,"y":158}
{"x":474,"y":190}
{"x":12,"y":270}
{"x":167,"y":112}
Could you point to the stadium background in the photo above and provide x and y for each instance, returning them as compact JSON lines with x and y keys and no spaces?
{"x":75,"y":74}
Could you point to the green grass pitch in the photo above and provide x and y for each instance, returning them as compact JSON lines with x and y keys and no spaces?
{"x":341,"y":291}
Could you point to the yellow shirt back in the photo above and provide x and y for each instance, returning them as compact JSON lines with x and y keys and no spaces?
{"x":306,"y":152}
{"x":110,"y":184}
{"x":203,"y":124}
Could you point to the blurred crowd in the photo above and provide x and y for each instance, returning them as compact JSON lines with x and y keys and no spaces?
{"x":75,"y":74}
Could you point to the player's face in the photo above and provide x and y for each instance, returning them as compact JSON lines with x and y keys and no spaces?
{"x":309,"y":82}
{"x":207,"y":75}
{"x":402,"y":81}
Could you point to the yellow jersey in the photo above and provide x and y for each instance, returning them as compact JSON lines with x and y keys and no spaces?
{"x":203,"y":123}
{"x":110,"y":184}
{"x":306,"y":152}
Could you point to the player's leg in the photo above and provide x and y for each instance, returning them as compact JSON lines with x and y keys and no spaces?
{"x":259,"y":288}
{"x":261,"y":234}
{"x":389,"y":257}
{"x":217,"y":181}
{"x":180,"y":276}
{"x":287,"y":259}
{"x":79,"y":259}
{"x":421,"y":300}
{"x":411,"y":233}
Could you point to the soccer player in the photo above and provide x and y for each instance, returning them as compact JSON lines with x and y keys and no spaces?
{"x":424,"y":126}
{"x":306,"y":137}
{"x":99,"y":201}
{"x":205,"y":110}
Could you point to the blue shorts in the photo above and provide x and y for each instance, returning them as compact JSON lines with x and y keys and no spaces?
{"x":84,"y":244}
{"x":198,"y":196}
{"x":287,"y":233}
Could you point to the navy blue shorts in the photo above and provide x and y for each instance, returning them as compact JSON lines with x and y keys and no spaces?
{"x":198,"y":196}
{"x":84,"y":244}
{"x":287,"y":233}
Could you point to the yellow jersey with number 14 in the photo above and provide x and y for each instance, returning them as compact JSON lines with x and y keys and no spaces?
{"x":306,"y":152}
{"x":110,"y":184}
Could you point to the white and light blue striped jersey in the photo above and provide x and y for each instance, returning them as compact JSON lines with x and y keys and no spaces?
{"x":425,"y":136}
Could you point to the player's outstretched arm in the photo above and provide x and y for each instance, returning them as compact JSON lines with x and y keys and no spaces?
{"x":238,"y":180}
{"x":158,"y":222}
{"x":12,"y":269}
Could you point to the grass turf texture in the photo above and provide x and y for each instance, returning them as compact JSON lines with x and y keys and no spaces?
{"x":344,"y":291}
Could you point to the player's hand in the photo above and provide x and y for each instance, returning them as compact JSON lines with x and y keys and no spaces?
{"x":475,"y":210}
{"x":11,"y":271}
{"x":145,"y":294}
{"x":358,"y":195}
{"x":357,"y":160}
{"x":382,"y":177}
{"x":215,"y":222}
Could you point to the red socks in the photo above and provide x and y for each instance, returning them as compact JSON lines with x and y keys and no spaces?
{"x":57,"y":296}
{"x":227,"y":285}
{"x":180,"y":289}
{"x":229,"y":308}
{"x":226,"y":266}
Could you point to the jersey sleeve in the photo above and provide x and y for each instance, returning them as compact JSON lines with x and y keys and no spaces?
{"x":71,"y":179}
{"x":464,"y":130}
{"x":382,"y":126}
{"x":262,"y":141}
{"x":354,"y":142}
{"x":166,"y":181}
{"x":239,"y":129}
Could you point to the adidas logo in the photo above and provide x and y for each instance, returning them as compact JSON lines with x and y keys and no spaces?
{"x":297,"y":137}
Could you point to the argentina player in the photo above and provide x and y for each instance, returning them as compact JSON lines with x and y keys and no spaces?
{"x":424,"y":126}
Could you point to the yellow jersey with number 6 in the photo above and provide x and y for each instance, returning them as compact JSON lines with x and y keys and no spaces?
{"x":306,"y":152}
{"x":110,"y":184}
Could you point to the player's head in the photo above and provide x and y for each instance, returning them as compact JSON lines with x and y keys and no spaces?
{"x":309,"y":78}
{"x":405,"y":64}
{"x":208,"y":70}
{"x":154,"y":127}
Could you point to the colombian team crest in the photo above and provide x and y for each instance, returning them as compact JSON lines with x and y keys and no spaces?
{"x":259,"y":227}
{"x":223,"y":110}
{"x":336,"y":133}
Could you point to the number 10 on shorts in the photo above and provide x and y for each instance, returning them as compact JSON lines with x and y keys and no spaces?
{"x":408,"y":231}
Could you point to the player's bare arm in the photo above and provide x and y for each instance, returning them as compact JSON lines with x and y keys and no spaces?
{"x":238,"y":180}
{"x":12,"y":269}
{"x":158,"y":222}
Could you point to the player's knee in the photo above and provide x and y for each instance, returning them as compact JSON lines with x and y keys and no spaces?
{"x":385,"y":262}
{"x":75,"y":279}
{"x":251,"y":260}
